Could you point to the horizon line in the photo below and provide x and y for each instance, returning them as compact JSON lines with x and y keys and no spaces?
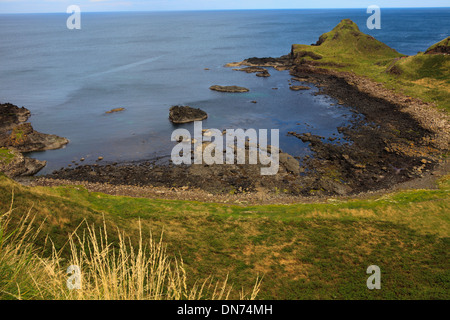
{"x":210,"y":10}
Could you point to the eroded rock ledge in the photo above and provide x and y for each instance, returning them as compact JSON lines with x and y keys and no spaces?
{"x":17,"y":136}
{"x":400,"y":138}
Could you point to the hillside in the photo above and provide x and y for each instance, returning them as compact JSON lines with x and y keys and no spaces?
{"x":440,"y":47}
{"x":315,"y":250}
{"x":346,"y":48}
{"x":304,"y":251}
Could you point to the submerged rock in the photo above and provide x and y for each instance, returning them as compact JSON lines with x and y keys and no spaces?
{"x":251,"y":69}
{"x":115,"y":110}
{"x":185,"y":114}
{"x":297,"y":88}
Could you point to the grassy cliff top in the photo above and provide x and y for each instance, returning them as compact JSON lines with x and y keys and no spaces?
{"x":442,"y":46}
{"x":304,"y":251}
{"x":346,"y":48}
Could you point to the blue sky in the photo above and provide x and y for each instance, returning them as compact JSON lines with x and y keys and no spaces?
{"x":21,"y":6}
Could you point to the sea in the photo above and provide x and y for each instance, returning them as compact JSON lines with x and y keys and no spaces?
{"x":147,"y":62}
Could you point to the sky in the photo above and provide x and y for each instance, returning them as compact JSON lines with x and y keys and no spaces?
{"x":25,"y":6}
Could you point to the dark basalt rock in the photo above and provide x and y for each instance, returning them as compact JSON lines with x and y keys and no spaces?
{"x":11,"y":115}
{"x":185,"y":114}
{"x":18,"y":136}
{"x":21,"y":166}
{"x":263,"y":74}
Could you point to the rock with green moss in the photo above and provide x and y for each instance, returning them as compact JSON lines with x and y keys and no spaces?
{"x":17,"y":136}
{"x":16,"y":133}
{"x":14,"y":164}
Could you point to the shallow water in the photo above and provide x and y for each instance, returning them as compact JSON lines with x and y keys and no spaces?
{"x":147,"y":62}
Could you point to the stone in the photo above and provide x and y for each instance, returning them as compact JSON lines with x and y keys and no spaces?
{"x":185,"y":114}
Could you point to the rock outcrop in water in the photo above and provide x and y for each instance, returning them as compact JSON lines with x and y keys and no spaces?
{"x":185,"y":114}
{"x":260,"y":72}
{"x":232,"y":89}
{"x":115,"y":110}
{"x":297,"y":88}
{"x":17,"y":136}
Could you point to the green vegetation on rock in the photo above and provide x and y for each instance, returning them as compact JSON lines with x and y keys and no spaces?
{"x":346,"y":48}
{"x":6,"y":156}
{"x":442,"y":46}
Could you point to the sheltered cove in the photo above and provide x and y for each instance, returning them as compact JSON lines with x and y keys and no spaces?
{"x":400,"y":139}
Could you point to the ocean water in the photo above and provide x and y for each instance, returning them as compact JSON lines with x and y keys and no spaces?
{"x":147,"y":62}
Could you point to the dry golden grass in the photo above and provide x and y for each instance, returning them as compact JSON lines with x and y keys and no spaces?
{"x":108,"y":271}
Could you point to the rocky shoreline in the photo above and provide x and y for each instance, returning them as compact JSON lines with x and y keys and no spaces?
{"x":400,"y":139}
{"x":395,"y":140}
{"x":17,"y":136}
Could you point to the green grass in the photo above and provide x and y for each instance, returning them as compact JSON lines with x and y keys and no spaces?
{"x":304,"y":251}
{"x":5,"y":156}
{"x":445,"y":43}
{"x":346,"y":48}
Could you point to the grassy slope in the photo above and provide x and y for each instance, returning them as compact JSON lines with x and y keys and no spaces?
{"x":346,"y":48}
{"x":445,"y":43}
{"x":303,"y":250}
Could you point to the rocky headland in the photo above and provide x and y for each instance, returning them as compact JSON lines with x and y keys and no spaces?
{"x":17,"y":136}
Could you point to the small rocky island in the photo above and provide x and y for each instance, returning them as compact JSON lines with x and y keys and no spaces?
{"x":17,"y":136}
{"x":185,"y":114}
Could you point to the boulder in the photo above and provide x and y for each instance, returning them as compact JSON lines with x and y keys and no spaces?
{"x":289,"y":163}
{"x":185,"y":114}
